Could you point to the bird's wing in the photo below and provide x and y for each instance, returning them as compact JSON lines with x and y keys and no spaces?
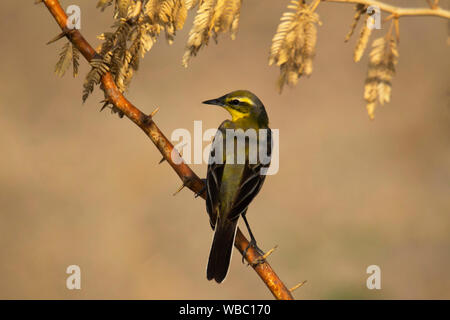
{"x":250,"y":182}
{"x":214,"y":175}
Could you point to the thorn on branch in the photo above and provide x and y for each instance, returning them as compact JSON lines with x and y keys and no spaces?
{"x":59,"y":36}
{"x":105,"y":105}
{"x":108,"y":104}
{"x":148,"y":118}
{"x":297,"y":286}
{"x":187,"y":182}
{"x":268,"y":253}
{"x":154,"y":112}
{"x":179,"y":189}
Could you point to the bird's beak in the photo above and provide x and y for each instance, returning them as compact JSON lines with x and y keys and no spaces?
{"x":217,"y":102}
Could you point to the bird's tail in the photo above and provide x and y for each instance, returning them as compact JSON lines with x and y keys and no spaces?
{"x":222,"y":246}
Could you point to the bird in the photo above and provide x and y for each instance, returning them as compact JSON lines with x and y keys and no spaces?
{"x":232,"y":185}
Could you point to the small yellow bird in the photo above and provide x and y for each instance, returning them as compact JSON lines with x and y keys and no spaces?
{"x":230,"y":185}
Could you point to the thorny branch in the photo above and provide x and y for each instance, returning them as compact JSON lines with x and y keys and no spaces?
{"x":435,"y":10}
{"x":146,"y":123}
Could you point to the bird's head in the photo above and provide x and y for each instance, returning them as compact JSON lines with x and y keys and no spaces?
{"x":242,"y":104}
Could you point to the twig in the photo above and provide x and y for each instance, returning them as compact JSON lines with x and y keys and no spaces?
{"x":398,"y":11}
{"x":189,"y":178}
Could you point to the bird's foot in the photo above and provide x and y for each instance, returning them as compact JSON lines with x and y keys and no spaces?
{"x":253,"y":244}
{"x":202,"y":189}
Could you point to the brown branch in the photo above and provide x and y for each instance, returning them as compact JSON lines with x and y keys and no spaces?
{"x":145,"y":122}
{"x":400,"y":12}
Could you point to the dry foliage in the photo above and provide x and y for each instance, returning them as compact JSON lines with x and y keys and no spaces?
{"x":138,"y":24}
{"x":383,"y":59}
{"x":213,"y":17}
{"x":68,"y":56}
{"x":137,"y":27}
{"x":293,"y":46}
{"x":363,"y":39}
{"x":360,"y":9}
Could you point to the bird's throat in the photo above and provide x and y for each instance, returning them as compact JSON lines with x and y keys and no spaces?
{"x":236,"y":115}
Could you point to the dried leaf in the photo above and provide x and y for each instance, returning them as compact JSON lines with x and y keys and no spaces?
{"x":359,"y":11}
{"x":99,"y":68}
{"x":103,"y":4}
{"x":200,"y":32}
{"x":191,"y":4}
{"x":383,"y":59}
{"x":65,"y":59}
{"x":75,"y":59}
{"x":363,"y":39}
{"x":213,"y":18}
{"x":293,"y":45}
{"x":122,"y":8}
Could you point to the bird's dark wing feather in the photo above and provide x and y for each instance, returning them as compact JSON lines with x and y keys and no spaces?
{"x":214,"y":178}
{"x":252,"y":181}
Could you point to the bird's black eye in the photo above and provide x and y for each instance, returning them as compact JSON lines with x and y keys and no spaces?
{"x":234,"y":102}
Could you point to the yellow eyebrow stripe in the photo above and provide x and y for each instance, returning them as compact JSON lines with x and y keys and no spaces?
{"x":245,"y":100}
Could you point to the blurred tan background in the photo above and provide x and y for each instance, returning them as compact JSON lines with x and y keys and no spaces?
{"x":82,"y":187}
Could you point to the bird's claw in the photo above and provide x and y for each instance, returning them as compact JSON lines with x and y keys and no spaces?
{"x":263,"y":256}
{"x":253,"y":244}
